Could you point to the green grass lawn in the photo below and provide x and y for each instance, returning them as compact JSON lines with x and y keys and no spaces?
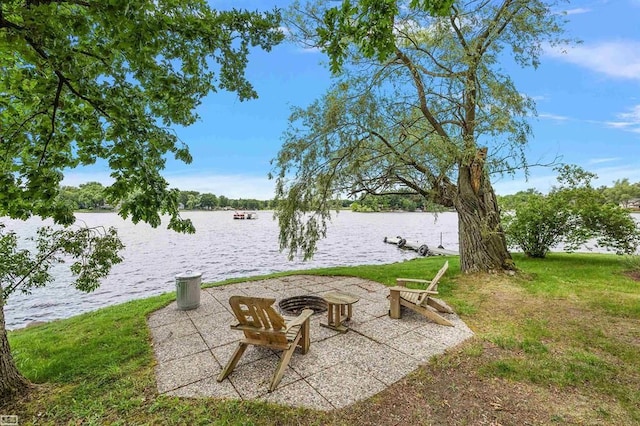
{"x":565,"y":332}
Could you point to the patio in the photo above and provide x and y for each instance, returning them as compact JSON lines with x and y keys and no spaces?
{"x":191,"y":347}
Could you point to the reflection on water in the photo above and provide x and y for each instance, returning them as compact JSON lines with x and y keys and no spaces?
{"x":221,"y":248}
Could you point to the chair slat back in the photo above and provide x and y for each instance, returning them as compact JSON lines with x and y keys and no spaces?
{"x":434,"y":282}
{"x":433,"y":285}
{"x":258,"y":313}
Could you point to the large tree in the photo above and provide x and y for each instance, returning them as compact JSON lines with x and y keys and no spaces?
{"x":433,"y":114}
{"x":91,"y":80}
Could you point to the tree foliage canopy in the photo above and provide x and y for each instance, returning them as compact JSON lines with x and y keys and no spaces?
{"x":369,"y":24}
{"x":623,"y":192}
{"x":94,"y":250}
{"x":434,"y":117}
{"x":84,"y":81}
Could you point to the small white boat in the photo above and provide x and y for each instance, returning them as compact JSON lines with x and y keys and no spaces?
{"x":245,"y":215}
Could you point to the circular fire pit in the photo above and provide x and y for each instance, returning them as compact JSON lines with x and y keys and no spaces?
{"x":296,"y":304}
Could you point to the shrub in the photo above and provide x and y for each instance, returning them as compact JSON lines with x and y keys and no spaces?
{"x":572,"y":214}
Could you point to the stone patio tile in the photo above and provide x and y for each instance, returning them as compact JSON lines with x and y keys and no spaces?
{"x":318,"y":333}
{"x":385,"y":363}
{"x":275,"y":284}
{"x":359,"y":316}
{"x":216,"y":329}
{"x":358,"y":319}
{"x":222,"y":294}
{"x":252,"y":353}
{"x":344,"y":383}
{"x":317,"y":288}
{"x":294,"y":291}
{"x":297,"y":280}
{"x":181,"y":327}
{"x":252,"y":380}
{"x":341,"y":282}
{"x":254,"y":289}
{"x":417,"y":346}
{"x":298,"y":394}
{"x":448,"y":336}
{"x":382,"y":329}
{"x":378,"y":307}
{"x":178,"y":347}
{"x":183,"y":371}
{"x":359,"y":292}
{"x":209,"y":305}
{"x":167,"y":315}
{"x":306,"y":280}
{"x":324,"y":354}
{"x":208,"y":387}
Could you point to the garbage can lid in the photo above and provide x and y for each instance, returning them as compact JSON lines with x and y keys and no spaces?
{"x":189,"y":274}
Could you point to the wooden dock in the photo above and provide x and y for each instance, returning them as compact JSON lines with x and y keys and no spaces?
{"x":421,"y":249}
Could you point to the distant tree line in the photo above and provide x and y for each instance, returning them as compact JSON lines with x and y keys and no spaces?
{"x":92,"y":196}
{"x":392,"y":202}
{"x":622,"y":193}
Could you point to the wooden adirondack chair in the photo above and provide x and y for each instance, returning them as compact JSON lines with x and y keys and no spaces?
{"x":421,"y":301}
{"x":263,"y":326}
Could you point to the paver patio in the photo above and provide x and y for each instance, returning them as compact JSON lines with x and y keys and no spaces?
{"x":191,"y":347}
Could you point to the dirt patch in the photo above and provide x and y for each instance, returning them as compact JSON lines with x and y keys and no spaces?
{"x":634,"y":275}
{"x":451,"y":392}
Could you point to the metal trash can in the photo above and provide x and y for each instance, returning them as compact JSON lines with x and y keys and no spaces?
{"x":188,"y":290}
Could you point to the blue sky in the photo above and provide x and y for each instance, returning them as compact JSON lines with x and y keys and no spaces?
{"x":588,"y":102}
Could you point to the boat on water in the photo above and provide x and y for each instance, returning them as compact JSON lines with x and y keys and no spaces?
{"x":245,"y":215}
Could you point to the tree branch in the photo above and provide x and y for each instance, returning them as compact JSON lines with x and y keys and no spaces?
{"x":56,"y":102}
{"x":64,"y":79}
{"x":419,"y":84}
{"x":75,"y":2}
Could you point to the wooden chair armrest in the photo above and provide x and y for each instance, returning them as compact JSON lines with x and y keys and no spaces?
{"x":411,"y":290}
{"x":412,"y":280}
{"x":402,"y":281}
{"x":300,"y":319}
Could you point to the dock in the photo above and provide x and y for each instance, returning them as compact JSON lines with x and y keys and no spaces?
{"x":420,"y":248}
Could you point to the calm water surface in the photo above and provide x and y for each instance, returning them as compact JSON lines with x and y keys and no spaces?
{"x":221,"y":248}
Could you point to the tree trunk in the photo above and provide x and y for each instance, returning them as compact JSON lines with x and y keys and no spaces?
{"x":483,"y":247}
{"x":11,"y":381}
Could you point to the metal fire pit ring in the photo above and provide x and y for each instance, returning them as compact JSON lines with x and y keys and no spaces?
{"x":296,"y":304}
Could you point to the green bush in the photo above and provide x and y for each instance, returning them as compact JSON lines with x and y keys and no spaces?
{"x":571,"y":214}
{"x":536,"y":225}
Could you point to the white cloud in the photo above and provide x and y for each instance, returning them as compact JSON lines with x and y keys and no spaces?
{"x":632,"y":116}
{"x":577,"y":11}
{"x":284,"y":30}
{"x":629,"y":120}
{"x":554,"y":117}
{"x":619,"y":59}
{"x":603,"y":160}
{"x":617,"y":124}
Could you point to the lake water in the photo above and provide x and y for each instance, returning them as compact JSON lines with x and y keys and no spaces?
{"x":221,"y":248}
